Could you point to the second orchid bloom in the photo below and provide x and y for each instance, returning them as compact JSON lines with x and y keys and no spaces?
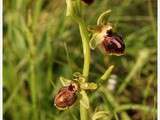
{"x":105,"y":37}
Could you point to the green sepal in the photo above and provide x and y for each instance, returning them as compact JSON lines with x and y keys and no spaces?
{"x":65,"y":81}
{"x":98,"y":34}
{"x":101,"y":19}
{"x":95,"y":40}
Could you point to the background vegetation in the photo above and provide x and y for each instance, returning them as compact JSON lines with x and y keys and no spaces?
{"x":41,"y":44}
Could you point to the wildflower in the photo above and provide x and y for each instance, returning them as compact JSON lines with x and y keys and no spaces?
{"x":66,"y":96}
{"x":110,"y":41}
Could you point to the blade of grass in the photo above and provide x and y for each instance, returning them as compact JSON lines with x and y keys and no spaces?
{"x":108,"y":95}
{"x":147,"y":92}
{"x":153,"y":21}
{"x":141,"y":60}
{"x":68,"y":57}
{"x":8,"y":103}
{"x":143,"y":108}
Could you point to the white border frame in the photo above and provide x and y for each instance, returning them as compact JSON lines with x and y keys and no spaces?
{"x":1,"y":63}
{"x":158,"y":59}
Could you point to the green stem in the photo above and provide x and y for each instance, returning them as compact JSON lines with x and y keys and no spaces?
{"x":74,"y":11}
{"x":86,"y":49}
{"x":83,"y":112}
{"x":86,"y":52}
{"x":86,"y":65}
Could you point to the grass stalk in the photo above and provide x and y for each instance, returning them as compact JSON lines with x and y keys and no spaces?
{"x":143,"y":108}
{"x":146,"y":93}
{"x":12,"y":96}
{"x":108,"y":95}
{"x":32,"y":53}
{"x":33,"y":90}
{"x":141,"y":60}
{"x":153,"y":21}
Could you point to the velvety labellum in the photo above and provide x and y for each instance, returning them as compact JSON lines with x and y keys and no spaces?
{"x":66,"y":96}
{"x":88,"y":1}
{"x":113,"y":44}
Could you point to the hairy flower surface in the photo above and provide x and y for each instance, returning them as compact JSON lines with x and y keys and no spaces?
{"x":66,"y":96}
{"x":113,"y":44}
{"x":109,"y":40}
{"x":88,"y":1}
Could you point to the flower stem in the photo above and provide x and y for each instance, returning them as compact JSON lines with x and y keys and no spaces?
{"x":86,"y":49}
{"x":74,"y":11}
{"x":83,"y":112}
{"x":86,"y":65}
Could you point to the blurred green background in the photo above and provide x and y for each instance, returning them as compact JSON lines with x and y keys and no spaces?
{"x":41,"y":44}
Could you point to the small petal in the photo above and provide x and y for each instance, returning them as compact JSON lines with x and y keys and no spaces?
{"x":98,"y":35}
{"x":95,"y":41}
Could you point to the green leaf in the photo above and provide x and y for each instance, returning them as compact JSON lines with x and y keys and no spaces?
{"x":107,"y":73}
{"x":84,"y":100}
{"x":100,"y":115}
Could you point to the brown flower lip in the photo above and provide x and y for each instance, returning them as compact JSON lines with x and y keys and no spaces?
{"x":113,"y":44}
{"x":66,"y":96}
{"x":88,"y":1}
